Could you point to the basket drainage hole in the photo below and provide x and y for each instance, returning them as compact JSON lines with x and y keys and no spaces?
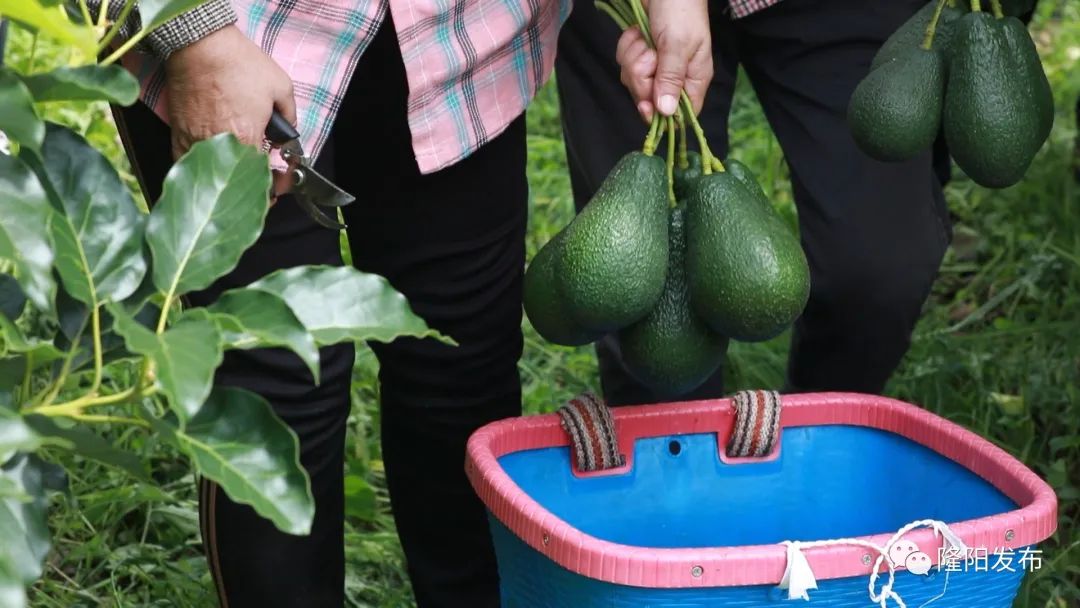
{"x":674,"y":447}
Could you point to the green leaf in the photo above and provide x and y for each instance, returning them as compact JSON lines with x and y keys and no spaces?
{"x":185,"y":357}
{"x":341,"y":303}
{"x":359,"y":498}
{"x":51,"y":18}
{"x":24,"y":231}
{"x":74,"y":318}
{"x":211,"y":210}
{"x":18,"y":118}
{"x":89,"y":445}
{"x":98,"y":230}
{"x":256,"y":319}
{"x":12,"y":298}
{"x":12,"y":591}
{"x":110,"y":83}
{"x":15,"y":435}
{"x":40,"y":352}
{"x":24,"y":535}
{"x":237,"y":441}
{"x":155,"y":12}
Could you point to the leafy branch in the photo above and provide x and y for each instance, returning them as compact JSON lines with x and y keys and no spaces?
{"x":88,"y":279}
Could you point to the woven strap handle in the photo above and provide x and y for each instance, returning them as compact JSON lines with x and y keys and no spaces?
{"x":757,"y":424}
{"x":588,"y":421}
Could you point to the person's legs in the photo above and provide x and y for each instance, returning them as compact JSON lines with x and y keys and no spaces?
{"x":600,"y":125}
{"x":453,"y":242}
{"x":874,"y":233}
{"x":252,"y":563}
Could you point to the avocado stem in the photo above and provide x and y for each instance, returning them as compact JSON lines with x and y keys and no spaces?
{"x":624,"y":11}
{"x":706,"y":154}
{"x":931,"y":29}
{"x":995,"y":5}
{"x":976,"y":6}
{"x":642,"y":22}
{"x":684,"y":156}
{"x":653,"y":138}
{"x":671,"y":160}
{"x":604,"y":7}
{"x":717,"y":165}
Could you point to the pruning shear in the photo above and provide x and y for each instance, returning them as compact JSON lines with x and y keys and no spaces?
{"x":312,"y":191}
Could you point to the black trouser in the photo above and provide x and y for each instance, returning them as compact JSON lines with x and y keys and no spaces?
{"x":454,"y":243}
{"x":874,"y":233}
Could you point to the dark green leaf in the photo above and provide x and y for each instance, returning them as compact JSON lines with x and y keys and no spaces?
{"x":146,"y":290}
{"x":50,"y":18}
{"x":39,"y":352}
{"x":237,"y":441}
{"x":110,"y":83}
{"x":212,"y":209}
{"x":98,"y":230}
{"x":255,"y":319}
{"x":24,"y":535}
{"x":185,"y":357}
{"x":12,"y":591}
{"x":18,"y":118}
{"x":72,"y":316}
{"x":341,"y":303}
{"x":15,"y":435}
{"x":12,"y":298}
{"x":156,"y":12}
{"x":359,"y":498}
{"x":74,"y":319}
{"x":24,"y":231}
{"x":89,"y":445}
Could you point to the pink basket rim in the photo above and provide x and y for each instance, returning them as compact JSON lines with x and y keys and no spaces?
{"x":1034,"y":520}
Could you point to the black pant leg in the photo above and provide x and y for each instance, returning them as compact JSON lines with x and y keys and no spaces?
{"x":252,"y":563}
{"x":454,"y":243}
{"x":874,"y":233}
{"x":601,"y":124}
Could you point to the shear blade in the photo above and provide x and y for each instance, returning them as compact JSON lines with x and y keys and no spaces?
{"x":322,"y":191}
{"x":316,"y":214}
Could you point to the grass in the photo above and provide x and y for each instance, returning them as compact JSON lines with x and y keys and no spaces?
{"x":997,"y":350}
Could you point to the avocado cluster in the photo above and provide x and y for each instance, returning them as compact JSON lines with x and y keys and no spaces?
{"x":674,"y":282}
{"x":976,"y":74}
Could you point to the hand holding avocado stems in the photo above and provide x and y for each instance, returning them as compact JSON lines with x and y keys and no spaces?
{"x":681,"y":60}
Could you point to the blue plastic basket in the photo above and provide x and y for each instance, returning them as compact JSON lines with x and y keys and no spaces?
{"x":682,"y":526}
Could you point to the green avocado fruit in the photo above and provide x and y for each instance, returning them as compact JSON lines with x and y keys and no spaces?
{"x":895,"y":112}
{"x":545,"y":306}
{"x":748,"y":276}
{"x":998,"y":110}
{"x":672,"y":351}
{"x":614,"y":255}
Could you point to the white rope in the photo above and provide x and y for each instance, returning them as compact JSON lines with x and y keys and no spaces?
{"x":799,"y":578}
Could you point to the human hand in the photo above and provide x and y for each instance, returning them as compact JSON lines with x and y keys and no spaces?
{"x":682,"y":58}
{"x":226,"y":83}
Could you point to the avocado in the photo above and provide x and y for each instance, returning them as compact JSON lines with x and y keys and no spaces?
{"x":1032,"y":75}
{"x":748,"y":275}
{"x":545,"y":306}
{"x":672,"y":351}
{"x":746,"y":177}
{"x":683,"y":177}
{"x":912,"y":33}
{"x":614,"y":254}
{"x":895,"y":112}
{"x":996,"y":111}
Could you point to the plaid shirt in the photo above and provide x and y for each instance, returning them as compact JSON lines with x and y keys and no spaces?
{"x":742,"y":8}
{"x":472,"y":65}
